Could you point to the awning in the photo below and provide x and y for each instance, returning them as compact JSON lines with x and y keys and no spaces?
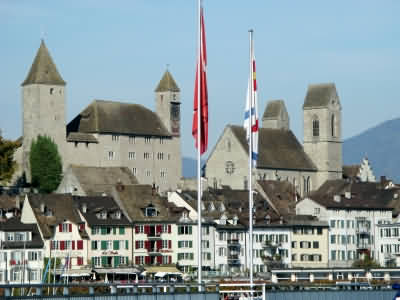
{"x":160,"y":274}
{"x":162,"y":269}
{"x":118,"y":271}
{"x":76,"y":273}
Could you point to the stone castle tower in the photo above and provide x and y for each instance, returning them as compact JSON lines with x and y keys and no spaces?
{"x":43,"y":103}
{"x":322,"y":131}
{"x":169,"y":111}
{"x":276,"y":116}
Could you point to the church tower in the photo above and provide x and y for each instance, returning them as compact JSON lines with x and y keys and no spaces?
{"x":169,"y":111}
{"x":43,"y":104}
{"x":322,"y":131}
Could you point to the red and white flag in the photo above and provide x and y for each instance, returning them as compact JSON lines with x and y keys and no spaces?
{"x":200,"y":90}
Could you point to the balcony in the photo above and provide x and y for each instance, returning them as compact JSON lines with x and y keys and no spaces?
{"x":233,"y":243}
{"x":154,"y":251}
{"x":154,"y":236}
{"x":233,"y":259}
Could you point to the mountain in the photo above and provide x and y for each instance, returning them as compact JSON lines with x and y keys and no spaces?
{"x":381,"y":145}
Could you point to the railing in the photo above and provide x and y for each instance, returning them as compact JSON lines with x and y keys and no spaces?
{"x":154,"y":235}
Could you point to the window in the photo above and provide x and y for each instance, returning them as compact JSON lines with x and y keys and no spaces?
{"x":148,"y":173}
{"x":163,"y":173}
{"x":160,"y":155}
{"x":111,"y":155}
{"x":146,"y":155}
{"x":65,"y":227}
{"x":131,"y":155}
{"x":294,"y":244}
{"x":333,"y":255}
{"x":147,"y":140}
{"x":333,"y":239}
{"x":333,"y":126}
{"x":316,"y":210}
{"x":115,"y":138}
{"x":315,"y":127}
{"x":151,"y":211}
{"x":51,"y":91}
{"x":319,"y":231}
{"x":132,"y":140}
{"x":134,"y":171}
{"x":222,"y":251}
{"x":333,"y":223}
{"x":34,"y":255}
{"x":315,"y":245}
{"x":161,"y":140}
{"x":185,"y":229}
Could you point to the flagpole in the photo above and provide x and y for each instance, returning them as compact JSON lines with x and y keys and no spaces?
{"x":251,"y":96}
{"x":199,"y":115}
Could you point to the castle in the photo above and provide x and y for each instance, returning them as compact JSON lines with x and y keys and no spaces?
{"x":281,"y":156}
{"x":105,"y":133}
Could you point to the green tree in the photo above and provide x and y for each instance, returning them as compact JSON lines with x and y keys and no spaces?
{"x":46,"y":165}
{"x":7,"y":163}
{"x":366,"y":263}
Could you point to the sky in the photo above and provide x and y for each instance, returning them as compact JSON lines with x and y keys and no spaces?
{"x":118,"y":50}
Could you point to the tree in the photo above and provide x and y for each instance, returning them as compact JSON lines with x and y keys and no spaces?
{"x":7,"y":163}
{"x":46,"y":165}
{"x":366,"y":263}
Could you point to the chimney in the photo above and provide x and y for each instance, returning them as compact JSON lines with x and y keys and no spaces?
{"x":347,"y":195}
{"x":383,"y":179}
{"x":336,"y":198}
{"x":84,"y":208}
{"x":42,"y":207}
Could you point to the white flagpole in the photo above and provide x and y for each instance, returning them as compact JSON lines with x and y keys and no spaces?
{"x":251,"y":100}
{"x":199,"y":191}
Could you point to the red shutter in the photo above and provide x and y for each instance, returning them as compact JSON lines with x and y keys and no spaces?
{"x":136,"y":245}
{"x":147,"y":245}
{"x":70,"y":227}
{"x":159,"y":244}
{"x":169,"y":228}
{"x":137,"y":260}
{"x":136,"y":229}
{"x":146,"y":229}
{"x":51,"y":245}
{"x":80,"y":245}
{"x":158,"y":229}
{"x":62,"y":246}
{"x":169,"y":244}
{"x":170,"y":259}
{"x":60,"y":227}
{"x":147,"y":260}
{"x":73,"y":245}
{"x":159,"y":259}
{"x":80,"y":261}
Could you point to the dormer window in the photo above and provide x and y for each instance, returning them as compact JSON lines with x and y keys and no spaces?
{"x":150,"y":211}
{"x":222,"y":207}
{"x":103,"y":215}
{"x":211,"y":207}
{"x":235,"y":220}
{"x":117,"y":214}
{"x":223,"y":220}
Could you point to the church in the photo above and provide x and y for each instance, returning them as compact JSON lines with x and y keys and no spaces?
{"x":281,"y":156}
{"x":105,"y":133}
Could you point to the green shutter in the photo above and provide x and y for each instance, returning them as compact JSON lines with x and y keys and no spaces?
{"x":92,"y":261}
{"x":190,"y":244}
{"x":190,"y":229}
{"x":126,"y":244}
{"x":104,"y":261}
{"x":103,"y":245}
{"x":116,"y":245}
{"x":93,"y":231}
{"x":93,"y":245}
{"x":103,"y":230}
{"x":122,"y":230}
{"x":127,"y":260}
{"x":116,"y":261}
{"x":114,"y":230}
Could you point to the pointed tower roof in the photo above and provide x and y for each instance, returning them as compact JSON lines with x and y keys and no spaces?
{"x":43,"y":69}
{"x":167,"y":84}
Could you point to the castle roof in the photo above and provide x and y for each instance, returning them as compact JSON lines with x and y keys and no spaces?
{"x":277,"y":149}
{"x":274,"y":109}
{"x":43,"y":69}
{"x":118,"y":118}
{"x":167,"y":84}
{"x":319,"y":95}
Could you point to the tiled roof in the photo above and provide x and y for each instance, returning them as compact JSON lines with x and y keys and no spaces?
{"x":351,"y":171}
{"x":278,"y":149}
{"x":354,"y":195}
{"x":43,"y":69}
{"x":14,"y":225}
{"x":167,"y":84}
{"x":62,"y":208}
{"x":96,"y":181}
{"x":319,"y":95}
{"x":95,"y":205}
{"x":274,"y":109}
{"x":118,"y":118}
{"x":81,"y":137}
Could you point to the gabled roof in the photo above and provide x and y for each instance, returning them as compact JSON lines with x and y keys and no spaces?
{"x":62,"y":207}
{"x":277,"y":149}
{"x":118,"y":118}
{"x":274,"y":109}
{"x":133,"y":199}
{"x":96,"y":204}
{"x":81,"y":137}
{"x":43,"y":69}
{"x":14,"y":225}
{"x":98,"y":180}
{"x":319,"y":95}
{"x":355,"y":195}
{"x":167,"y":84}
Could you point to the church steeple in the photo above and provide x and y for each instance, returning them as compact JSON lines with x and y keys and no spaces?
{"x":167,"y":84}
{"x":43,"y":69}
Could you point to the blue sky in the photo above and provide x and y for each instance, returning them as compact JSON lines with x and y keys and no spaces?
{"x":118,"y":50}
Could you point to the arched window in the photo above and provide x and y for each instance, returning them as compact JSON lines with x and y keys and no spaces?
{"x":333,"y":126}
{"x":315,"y":127}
